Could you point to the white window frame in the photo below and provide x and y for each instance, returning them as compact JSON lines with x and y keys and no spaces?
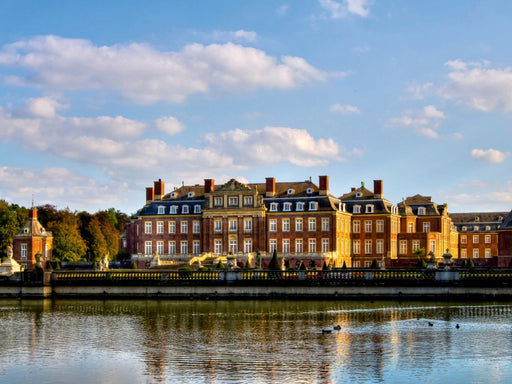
{"x":300,"y":206}
{"x":184,"y":209}
{"x":312,"y":224}
{"x":148,"y":227}
{"x":172,"y":247}
{"x":184,"y":247}
{"x":197,"y":208}
{"x":196,"y":226}
{"x":272,"y":226}
{"x":286,"y":225}
{"x":148,"y":248}
{"x":357,"y":209}
{"x":161,"y":209}
{"x":184,"y":226}
{"x":325,"y":224}
{"x":273,"y":207}
{"x":299,"y":246}
{"x":313,"y":206}
{"x":287,"y":207}
{"x":299,"y":225}
{"x":159,"y":227}
{"x":195,"y":247}
{"x":172,"y":227}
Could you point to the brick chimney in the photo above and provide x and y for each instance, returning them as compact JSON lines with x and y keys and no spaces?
{"x":159,"y":189}
{"x":377,"y":188}
{"x":150,"y":194}
{"x":209,"y":185}
{"x":323,"y":189}
{"x":32,"y":214}
{"x":270,"y":186}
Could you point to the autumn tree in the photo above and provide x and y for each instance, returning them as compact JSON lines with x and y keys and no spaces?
{"x":8,"y":227}
{"x":97,"y":244}
{"x":68,"y":244}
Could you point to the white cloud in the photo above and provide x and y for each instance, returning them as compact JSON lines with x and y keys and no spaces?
{"x":240,"y":35}
{"x":492,"y":156}
{"x":57,"y":185}
{"x":478,"y":86}
{"x":418,"y":92}
{"x":424,"y":122}
{"x":344,"y":109}
{"x":44,"y":107}
{"x":169,"y":125}
{"x":273,"y":145}
{"x":144,"y":75}
{"x":339,"y":10}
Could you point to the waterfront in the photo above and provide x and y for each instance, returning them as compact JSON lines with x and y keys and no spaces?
{"x":151,"y":341}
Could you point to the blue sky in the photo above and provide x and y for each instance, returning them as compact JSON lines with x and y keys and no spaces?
{"x":100,"y":98}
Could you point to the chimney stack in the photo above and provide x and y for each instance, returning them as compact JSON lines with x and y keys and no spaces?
{"x":377,"y":188}
{"x":209,"y":185}
{"x":32,"y":214}
{"x":159,"y":189}
{"x":324,"y":185}
{"x":150,"y":194}
{"x":270,"y":186}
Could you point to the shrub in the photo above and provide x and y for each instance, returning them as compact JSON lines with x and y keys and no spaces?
{"x":134,"y":265}
{"x":274,"y":262}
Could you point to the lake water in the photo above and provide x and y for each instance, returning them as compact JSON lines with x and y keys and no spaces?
{"x":152,"y":341}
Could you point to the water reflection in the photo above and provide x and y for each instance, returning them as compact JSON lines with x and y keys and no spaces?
{"x":253,"y":341}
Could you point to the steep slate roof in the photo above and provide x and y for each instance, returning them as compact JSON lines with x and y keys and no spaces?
{"x":363,"y":196}
{"x":411,"y":205}
{"x":478,"y":217}
{"x":33,"y":228}
{"x":506,"y":224}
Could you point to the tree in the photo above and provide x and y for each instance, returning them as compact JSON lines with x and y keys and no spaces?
{"x":68,"y":244}
{"x":274,"y":264}
{"x":97,"y":244}
{"x":9,"y":227}
{"x":374,"y":265}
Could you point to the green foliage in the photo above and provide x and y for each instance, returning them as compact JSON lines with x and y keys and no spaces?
{"x":185,"y":268}
{"x":274,"y":264}
{"x":302,"y":266}
{"x":68,"y":244}
{"x":220,"y":265}
{"x":421,"y":263}
{"x":344,"y":266}
{"x":420,"y":252}
{"x":134,"y":265}
{"x":325,"y":267}
{"x":374,"y":265}
{"x":464,"y":263}
{"x":12,"y":219}
{"x":470,"y":263}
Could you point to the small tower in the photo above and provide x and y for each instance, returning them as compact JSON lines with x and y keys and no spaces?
{"x":32,"y":242}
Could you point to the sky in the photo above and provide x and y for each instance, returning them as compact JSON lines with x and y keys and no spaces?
{"x":98,"y":99}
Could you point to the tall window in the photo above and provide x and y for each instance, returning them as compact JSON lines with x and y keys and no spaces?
{"x":464,"y":253}
{"x":23,"y":251}
{"x":368,"y":247}
{"x":233,"y":201}
{"x":172,"y":247}
{"x":248,"y":246}
{"x":233,"y":246}
{"x":415,"y":245}
{"x":147,"y":227}
{"x":160,"y":227}
{"x":148,"y":248}
{"x":312,"y":224}
{"x":487,"y":253}
{"x":218,"y":225}
{"x":248,"y":200}
{"x":426,"y":227}
{"x":218,"y":247}
{"x":247,"y":225}
{"x":160,"y":247}
{"x":218,"y":202}
{"x":433,"y":245}
{"x":273,"y":245}
{"x":380,"y":226}
{"x":172,"y":227}
{"x":325,"y":245}
{"x":273,"y":225}
{"x":487,"y":239}
{"x":286,"y":225}
{"x":403,"y":247}
{"x":184,"y":227}
{"x":380,"y":247}
{"x":356,"y":226}
{"x":286,"y":245}
{"x":298,"y":225}
{"x":195,"y":245}
{"x":325,"y":224}
{"x":475,"y":239}
{"x":368,"y":226}
{"x":356,"y":246}
{"x":184,"y":247}
{"x":475,"y":253}
{"x":312,"y":246}
{"x":410,"y":227}
{"x":232,"y":225}
{"x":298,"y":246}
{"x":195,"y":226}
{"x":463,"y":239}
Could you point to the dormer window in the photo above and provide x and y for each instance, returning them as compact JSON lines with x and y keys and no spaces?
{"x":500,"y":218}
{"x":487,"y":227}
{"x":309,"y":191}
{"x":273,"y":207}
{"x":300,"y":206}
{"x":477,"y":219}
{"x":42,"y":230}
{"x":464,"y":229}
{"x":173,"y":210}
{"x":357,"y":209}
{"x":173,"y":194}
{"x":475,"y":228}
{"x":197,"y":208}
{"x":184,"y":209}
{"x":25,"y":230}
{"x":421,"y":211}
{"x":287,"y":207}
{"x":369,"y":208}
{"x":313,"y":206}
{"x":190,"y":195}
{"x":290,"y":191}
{"x":161,"y":210}
{"x":359,"y":194}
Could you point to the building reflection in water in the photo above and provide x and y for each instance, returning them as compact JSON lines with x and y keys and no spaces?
{"x":257,"y":341}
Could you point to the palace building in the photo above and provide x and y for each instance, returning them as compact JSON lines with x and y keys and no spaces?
{"x":303,"y":222}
